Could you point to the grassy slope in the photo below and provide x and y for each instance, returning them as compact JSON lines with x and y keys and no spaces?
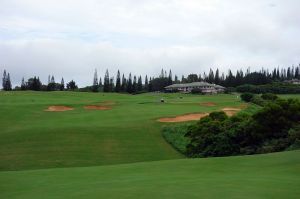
{"x":274,"y":175}
{"x":31,"y":138}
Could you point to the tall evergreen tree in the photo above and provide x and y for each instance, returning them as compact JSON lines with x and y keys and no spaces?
{"x":95,"y":86}
{"x":106,"y":82}
{"x":140,"y":84}
{"x":4,"y":80}
{"x":150,"y":85}
{"x":146,"y":83}
{"x":170,"y":80}
{"x":8,"y":83}
{"x":217,"y":77}
{"x":62,"y":84}
{"x":129,"y":84}
{"x":134,"y":85}
{"x":23,"y":84}
{"x":211,"y":76}
{"x":123,"y":86}
{"x":118,"y":82}
{"x":111,"y":84}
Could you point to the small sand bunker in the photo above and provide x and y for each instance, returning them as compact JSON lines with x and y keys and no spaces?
{"x":96,"y":107}
{"x":59,"y":108}
{"x":230,"y":111}
{"x":208,"y":104}
{"x":184,"y":118}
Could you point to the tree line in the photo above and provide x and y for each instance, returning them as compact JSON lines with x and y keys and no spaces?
{"x":136,"y":84}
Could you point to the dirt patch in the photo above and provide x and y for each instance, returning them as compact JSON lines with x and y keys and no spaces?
{"x":96,"y":107}
{"x":208,"y":104}
{"x":184,"y":118}
{"x":230,"y":111}
{"x":59,"y":108}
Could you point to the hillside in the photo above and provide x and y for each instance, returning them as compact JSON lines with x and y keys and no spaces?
{"x":259,"y":176}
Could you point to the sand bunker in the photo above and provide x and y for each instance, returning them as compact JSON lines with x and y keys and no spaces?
{"x":230,"y":111}
{"x":59,"y":108}
{"x":208,"y":104}
{"x":96,"y":107}
{"x":184,"y":118}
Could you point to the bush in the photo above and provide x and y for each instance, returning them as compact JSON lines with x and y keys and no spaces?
{"x":274,"y":128}
{"x":258,"y":100}
{"x":269,"y":96}
{"x":247,"y":97}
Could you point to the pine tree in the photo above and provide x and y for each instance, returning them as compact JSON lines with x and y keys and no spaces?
{"x":176,"y":79}
{"x":23,"y":84}
{"x":8,"y":83}
{"x":111,"y":84}
{"x":211,"y":76}
{"x":140,"y":84}
{"x":217,"y":77}
{"x":106,"y":82}
{"x":52,"y":80}
{"x":150,"y":85}
{"x":95,"y":82}
{"x":123,"y":86}
{"x":4,"y":80}
{"x":146,"y":83}
{"x":62,"y":84}
{"x":118,"y":82}
{"x":129,"y":84}
{"x":134,"y":85}
{"x":170,"y":80}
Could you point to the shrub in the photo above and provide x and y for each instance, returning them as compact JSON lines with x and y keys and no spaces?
{"x":247,"y":97}
{"x":269,"y":96}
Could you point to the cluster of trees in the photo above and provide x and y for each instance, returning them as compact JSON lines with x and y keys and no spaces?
{"x":245,"y":77}
{"x":273,"y":128}
{"x":131,"y":84}
{"x":6,"y":83}
{"x":35,"y":84}
{"x":135,"y":84}
{"x":275,"y":87}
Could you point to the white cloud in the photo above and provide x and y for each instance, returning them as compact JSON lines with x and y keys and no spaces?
{"x":71,"y":38}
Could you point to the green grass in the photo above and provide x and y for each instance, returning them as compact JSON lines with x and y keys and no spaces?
{"x":271,"y":176}
{"x":31,"y":138}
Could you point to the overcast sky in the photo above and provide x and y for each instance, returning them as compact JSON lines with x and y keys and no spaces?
{"x":71,"y":38}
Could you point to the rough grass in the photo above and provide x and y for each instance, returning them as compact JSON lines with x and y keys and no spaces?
{"x":271,"y":176}
{"x":175,"y":135}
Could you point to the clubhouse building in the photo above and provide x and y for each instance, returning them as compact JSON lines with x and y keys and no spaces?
{"x":204,"y":87}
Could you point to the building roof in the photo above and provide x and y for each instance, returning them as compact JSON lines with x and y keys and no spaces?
{"x":193,"y":84}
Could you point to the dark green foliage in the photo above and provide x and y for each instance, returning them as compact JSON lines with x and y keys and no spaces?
{"x":274,"y":128}
{"x":276,"y":88}
{"x":72,"y":85}
{"x":247,"y":97}
{"x":106,"y":82}
{"x":6,"y":82}
{"x":95,"y":85}
{"x":269,"y":96}
{"x":118,"y":82}
{"x":62,"y":84}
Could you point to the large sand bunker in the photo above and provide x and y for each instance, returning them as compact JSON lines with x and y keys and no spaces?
{"x":230,"y":111}
{"x":184,"y":118}
{"x":59,"y":108}
{"x":96,"y":107}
